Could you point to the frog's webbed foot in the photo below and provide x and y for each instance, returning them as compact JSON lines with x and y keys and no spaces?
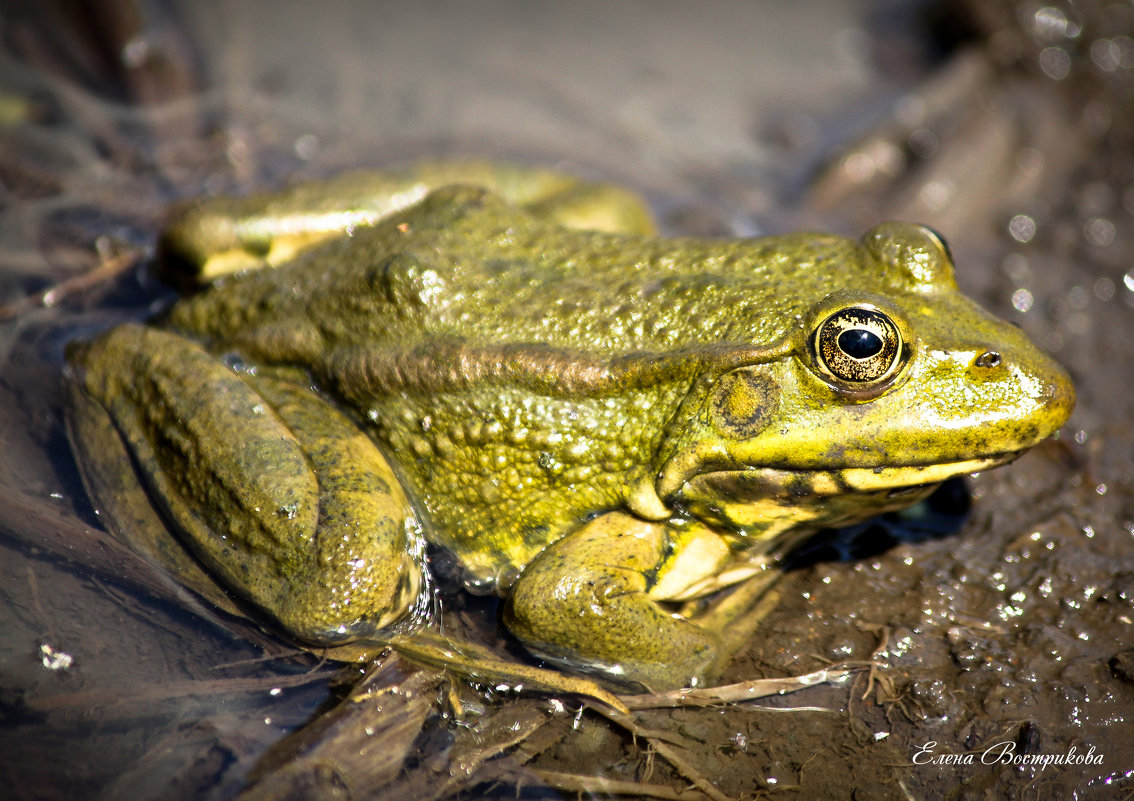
{"x":591,"y":600}
{"x":277,"y":493}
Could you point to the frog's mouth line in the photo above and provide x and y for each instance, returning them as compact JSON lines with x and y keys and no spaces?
{"x":770,"y":482}
{"x":875,"y":479}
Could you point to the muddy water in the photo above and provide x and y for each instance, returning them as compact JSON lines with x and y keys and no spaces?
{"x":1011,"y":626}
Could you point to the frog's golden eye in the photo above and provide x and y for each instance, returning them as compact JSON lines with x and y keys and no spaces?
{"x":857,"y":346}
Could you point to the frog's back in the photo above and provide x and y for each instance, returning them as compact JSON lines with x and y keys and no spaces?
{"x":465,"y":266}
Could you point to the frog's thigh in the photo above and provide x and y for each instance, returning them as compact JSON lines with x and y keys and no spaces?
{"x":589,"y":206}
{"x":122,"y":503}
{"x":550,"y":194}
{"x":586,"y":600}
{"x":359,"y":574}
{"x":309,"y":525}
{"x":218,"y":236}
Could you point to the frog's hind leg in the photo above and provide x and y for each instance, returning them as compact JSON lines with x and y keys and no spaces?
{"x":122,"y":503}
{"x":216,"y":236}
{"x":277,"y":493}
{"x":369,"y":554}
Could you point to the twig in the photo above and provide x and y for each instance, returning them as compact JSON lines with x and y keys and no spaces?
{"x":742,"y":691}
{"x":576,"y":783}
{"x":109,"y":266}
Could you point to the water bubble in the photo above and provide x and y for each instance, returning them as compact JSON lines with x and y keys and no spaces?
{"x":1050,"y":24}
{"x":1015,"y":266}
{"x":1022,"y":300}
{"x":1106,"y":54}
{"x":1099,"y":231}
{"x":1055,"y":63}
{"x":1078,"y":297}
{"x":937,"y":194}
{"x":1022,"y":228}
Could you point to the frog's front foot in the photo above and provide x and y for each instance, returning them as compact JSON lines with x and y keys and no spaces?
{"x":587,"y":601}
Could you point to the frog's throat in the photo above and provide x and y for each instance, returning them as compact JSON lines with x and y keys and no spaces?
{"x":803,"y":483}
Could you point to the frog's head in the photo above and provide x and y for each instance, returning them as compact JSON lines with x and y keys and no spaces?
{"x":890,"y":383}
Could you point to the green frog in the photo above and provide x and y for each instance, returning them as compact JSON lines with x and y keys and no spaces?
{"x":601,"y":425}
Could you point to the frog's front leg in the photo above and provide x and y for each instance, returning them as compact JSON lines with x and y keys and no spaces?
{"x":279,"y":494}
{"x":592,"y":599}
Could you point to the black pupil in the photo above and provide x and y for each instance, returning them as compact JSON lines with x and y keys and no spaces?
{"x":858,"y":343}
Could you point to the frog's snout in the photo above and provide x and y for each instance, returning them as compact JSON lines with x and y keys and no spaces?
{"x":1059,"y":394}
{"x":1031,"y":383}
{"x":1051,"y":391}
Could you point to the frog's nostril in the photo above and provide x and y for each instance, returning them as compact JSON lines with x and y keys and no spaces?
{"x":989,"y":358}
